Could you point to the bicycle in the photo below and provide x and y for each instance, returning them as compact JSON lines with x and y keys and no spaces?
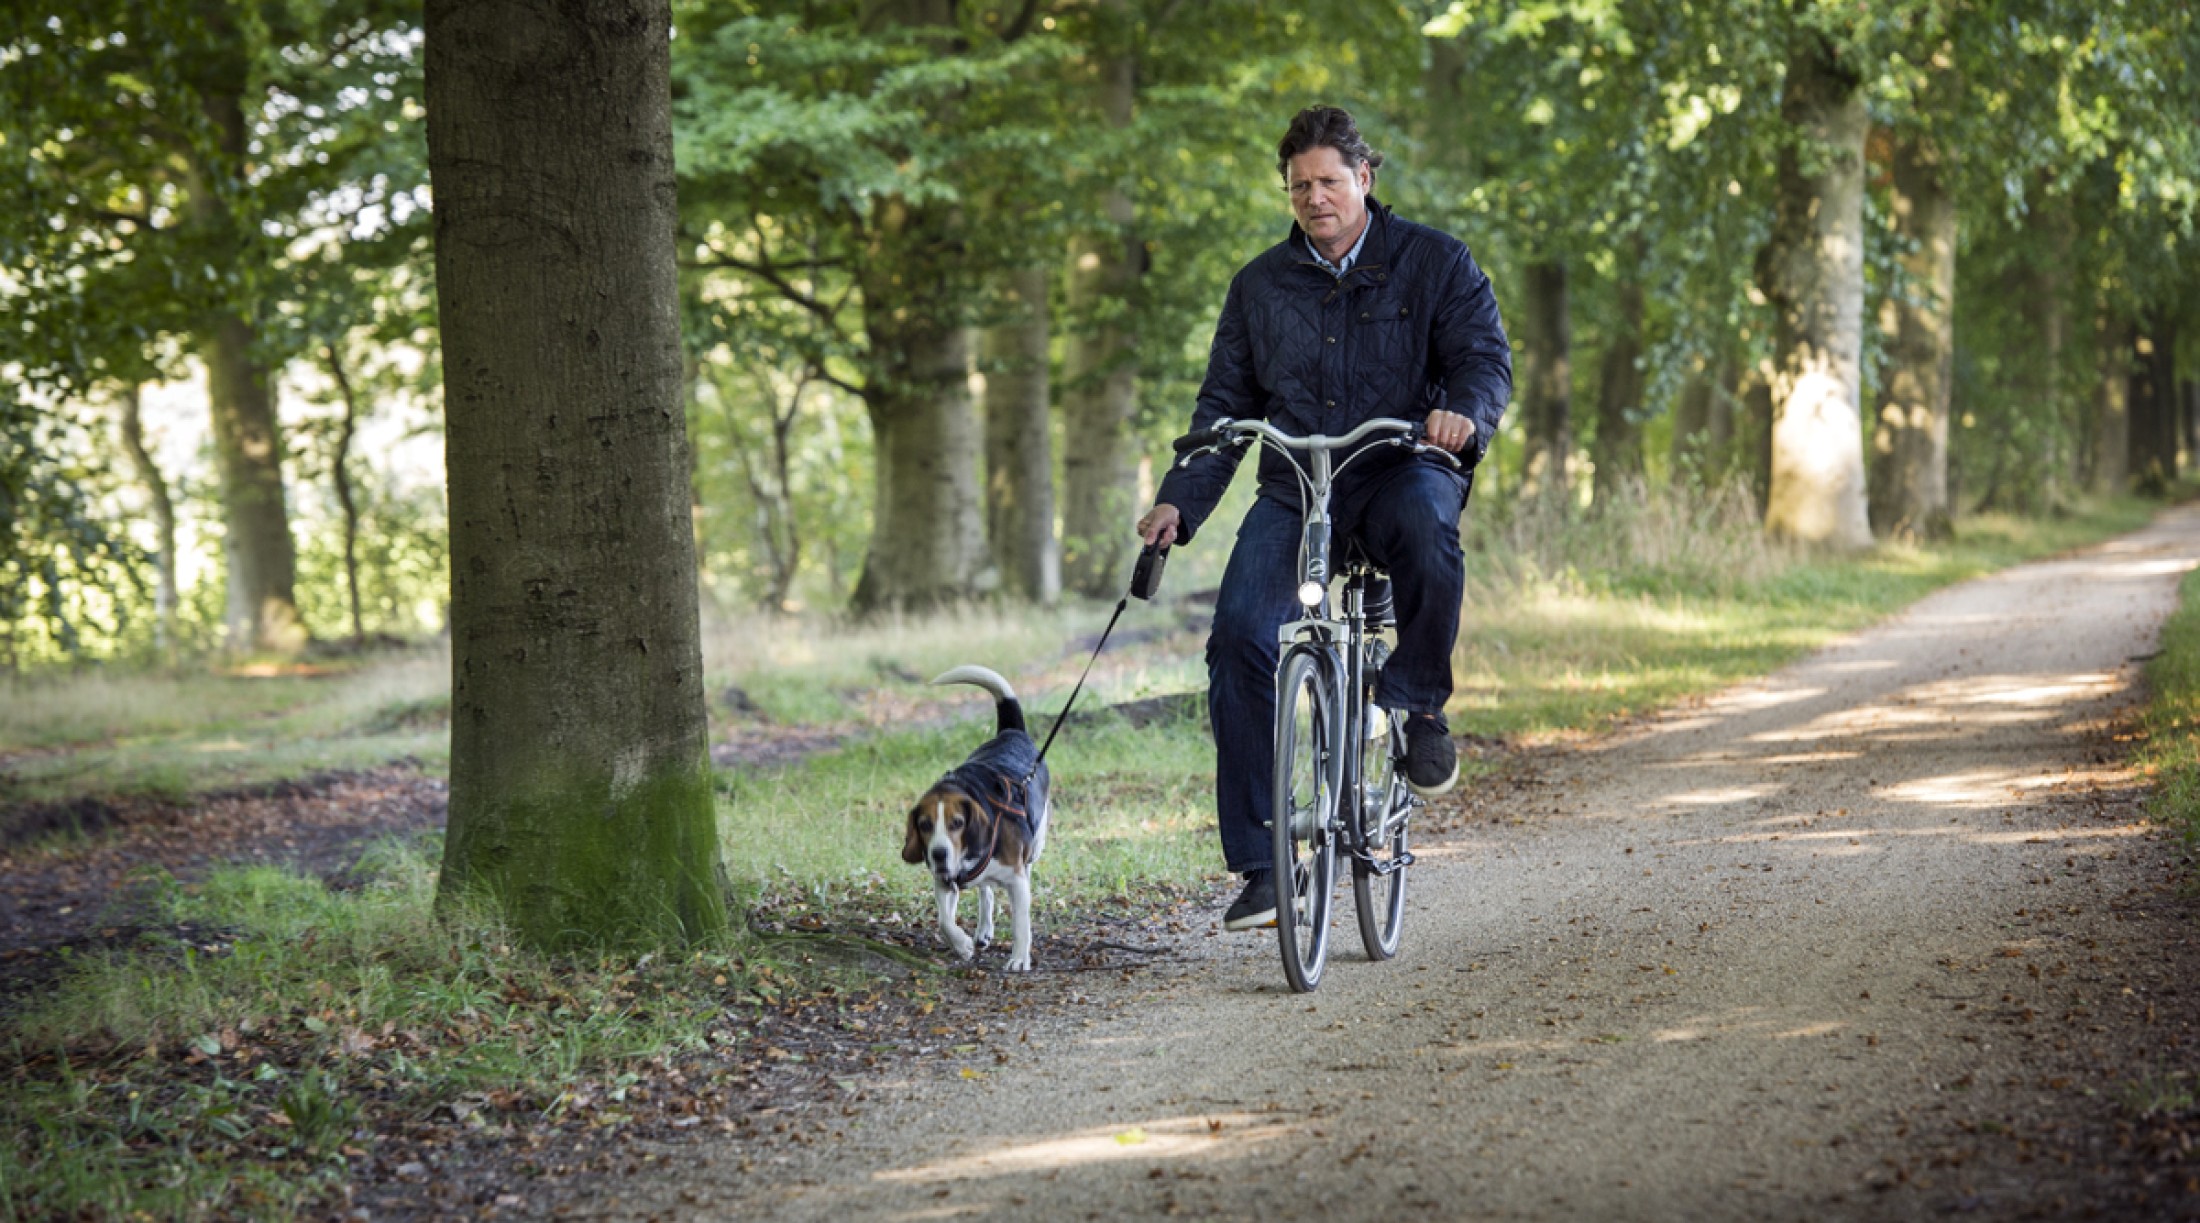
{"x":1332,"y":740}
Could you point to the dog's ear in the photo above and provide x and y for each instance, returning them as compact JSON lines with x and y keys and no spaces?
{"x":912,"y":849}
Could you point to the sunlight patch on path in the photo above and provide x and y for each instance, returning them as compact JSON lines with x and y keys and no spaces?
{"x":1221,"y":1135}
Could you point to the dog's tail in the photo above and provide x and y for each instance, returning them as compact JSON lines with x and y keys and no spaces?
{"x":1005,"y":704}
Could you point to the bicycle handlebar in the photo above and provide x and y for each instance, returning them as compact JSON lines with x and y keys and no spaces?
{"x":1227,"y":431}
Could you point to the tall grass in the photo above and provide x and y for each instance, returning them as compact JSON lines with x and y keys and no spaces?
{"x":1666,"y":537}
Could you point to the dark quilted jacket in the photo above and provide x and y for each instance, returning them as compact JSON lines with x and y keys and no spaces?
{"x":1412,"y":326}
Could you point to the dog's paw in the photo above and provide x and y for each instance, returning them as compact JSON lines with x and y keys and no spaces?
{"x":1020,"y":963}
{"x":963,"y":948}
{"x":983,"y":943}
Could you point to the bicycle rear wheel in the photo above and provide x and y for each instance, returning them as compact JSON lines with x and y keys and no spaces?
{"x":1379,"y":886}
{"x":1303,"y":816}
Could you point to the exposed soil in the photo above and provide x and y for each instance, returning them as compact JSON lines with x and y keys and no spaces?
{"x":1886,"y":935}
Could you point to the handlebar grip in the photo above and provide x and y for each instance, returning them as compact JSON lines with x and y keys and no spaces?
{"x":1200,"y":439}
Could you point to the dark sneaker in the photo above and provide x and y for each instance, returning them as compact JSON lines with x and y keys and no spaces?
{"x":1432,"y":763}
{"x":1256,"y":905}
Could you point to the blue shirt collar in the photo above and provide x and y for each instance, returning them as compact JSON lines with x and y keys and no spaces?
{"x":1351,"y":257}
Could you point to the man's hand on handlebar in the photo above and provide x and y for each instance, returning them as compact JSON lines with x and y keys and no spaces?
{"x":1159,"y":525}
{"x":1448,"y":430}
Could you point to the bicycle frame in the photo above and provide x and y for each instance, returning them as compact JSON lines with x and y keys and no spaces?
{"x":1339,"y":637}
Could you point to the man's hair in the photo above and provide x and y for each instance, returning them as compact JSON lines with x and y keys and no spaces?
{"x":1325,"y":127}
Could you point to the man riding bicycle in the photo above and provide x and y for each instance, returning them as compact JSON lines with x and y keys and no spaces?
{"x":1357,"y":314}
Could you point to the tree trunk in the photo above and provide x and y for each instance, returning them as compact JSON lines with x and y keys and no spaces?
{"x":1545,"y":342}
{"x":580,"y":802}
{"x":2188,"y":394}
{"x":1812,"y":270}
{"x":164,"y":521}
{"x":1100,"y":373}
{"x":248,"y":450}
{"x":2111,"y":471}
{"x":2153,"y":440}
{"x":1619,"y":397}
{"x":262,"y":608}
{"x":1909,"y":487}
{"x":339,"y":465}
{"x":1019,"y":462}
{"x":1703,"y":424}
{"x":927,"y":536}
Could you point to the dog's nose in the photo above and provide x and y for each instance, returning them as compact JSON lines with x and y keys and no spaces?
{"x":939,"y":854}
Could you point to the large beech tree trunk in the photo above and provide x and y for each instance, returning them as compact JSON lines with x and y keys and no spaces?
{"x":1019,"y":461}
{"x":262,"y":609}
{"x":927,"y":537}
{"x":1100,"y":373}
{"x":1812,"y":270}
{"x":1545,"y":342}
{"x":164,"y":519}
{"x":1619,"y":397}
{"x":1909,"y":489}
{"x":580,"y":805}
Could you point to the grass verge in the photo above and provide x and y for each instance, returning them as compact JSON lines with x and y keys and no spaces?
{"x":2171,"y":724}
{"x":280,"y":1035}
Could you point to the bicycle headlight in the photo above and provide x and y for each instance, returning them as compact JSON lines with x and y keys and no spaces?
{"x":1310,"y":595}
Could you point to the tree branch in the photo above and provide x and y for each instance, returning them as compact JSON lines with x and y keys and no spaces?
{"x":1022,"y":25}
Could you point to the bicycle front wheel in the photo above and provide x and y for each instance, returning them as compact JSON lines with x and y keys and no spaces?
{"x":1379,"y":881}
{"x":1303,"y":816}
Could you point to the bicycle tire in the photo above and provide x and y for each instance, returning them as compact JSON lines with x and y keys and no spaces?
{"x":1380,"y":897}
{"x":1302,"y":818}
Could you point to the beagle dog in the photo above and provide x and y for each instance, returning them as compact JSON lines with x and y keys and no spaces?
{"x":983,"y":825}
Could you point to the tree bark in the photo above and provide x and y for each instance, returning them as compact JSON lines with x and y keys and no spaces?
{"x":1546,"y":347}
{"x":2153,"y":440}
{"x":927,"y":536}
{"x":1019,"y":459}
{"x":164,"y":520}
{"x":1100,"y":373}
{"x":1909,"y":487}
{"x":1619,"y":397}
{"x":339,"y":465}
{"x":262,"y":608}
{"x":2112,"y":404}
{"x":1703,"y":424}
{"x":580,"y":804}
{"x":1812,"y":270}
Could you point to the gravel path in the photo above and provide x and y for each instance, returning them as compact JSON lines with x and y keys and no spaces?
{"x":1883,"y":936}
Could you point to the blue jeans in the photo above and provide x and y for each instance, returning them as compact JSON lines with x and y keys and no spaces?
{"x":1406,"y":520}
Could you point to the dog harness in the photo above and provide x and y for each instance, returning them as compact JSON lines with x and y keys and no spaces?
{"x":998,"y":776}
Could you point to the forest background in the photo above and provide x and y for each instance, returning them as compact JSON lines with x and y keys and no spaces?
{"x":949,"y":271}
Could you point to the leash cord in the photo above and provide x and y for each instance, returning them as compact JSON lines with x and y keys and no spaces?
{"x":1063,"y":716}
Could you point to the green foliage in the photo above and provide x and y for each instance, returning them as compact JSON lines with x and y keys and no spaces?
{"x":65,"y":570}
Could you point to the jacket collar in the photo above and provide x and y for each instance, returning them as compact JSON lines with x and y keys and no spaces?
{"x":1374,"y":249}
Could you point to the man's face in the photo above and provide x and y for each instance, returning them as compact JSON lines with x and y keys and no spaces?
{"x":1328,"y":197}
